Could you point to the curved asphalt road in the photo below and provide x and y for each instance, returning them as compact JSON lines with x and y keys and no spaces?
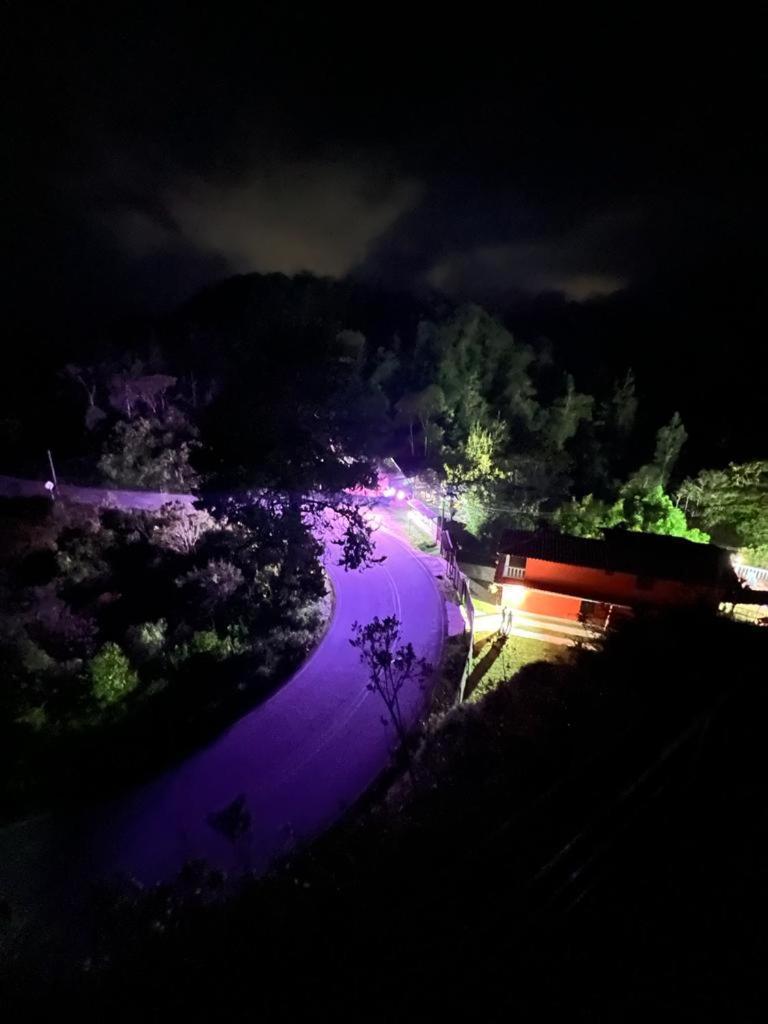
{"x":300,"y":759}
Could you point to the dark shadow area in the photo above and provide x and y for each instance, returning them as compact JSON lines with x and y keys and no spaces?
{"x":485,"y":663}
{"x":588,"y":841}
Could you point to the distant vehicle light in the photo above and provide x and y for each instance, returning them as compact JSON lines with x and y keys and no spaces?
{"x":401,"y":495}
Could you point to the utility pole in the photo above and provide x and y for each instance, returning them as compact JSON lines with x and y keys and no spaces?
{"x":53,"y":470}
{"x":52,"y":485}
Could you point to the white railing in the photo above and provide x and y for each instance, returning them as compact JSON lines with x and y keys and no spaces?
{"x":754,"y":575}
{"x":515,"y":572}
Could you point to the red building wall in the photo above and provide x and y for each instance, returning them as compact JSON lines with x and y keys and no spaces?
{"x":570,"y":584}
{"x":539,"y":602}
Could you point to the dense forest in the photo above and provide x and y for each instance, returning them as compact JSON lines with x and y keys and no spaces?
{"x":273,"y":398}
{"x":300,"y":384}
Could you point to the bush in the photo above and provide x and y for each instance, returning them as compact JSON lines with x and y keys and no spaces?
{"x":150,"y":454}
{"x":148,"y":639}
{"x":111,"y":675}
{"x":208,"y":641}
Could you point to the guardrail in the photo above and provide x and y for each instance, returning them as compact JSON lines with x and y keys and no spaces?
{"x":461,"y":586}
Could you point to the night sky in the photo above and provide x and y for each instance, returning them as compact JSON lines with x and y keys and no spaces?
{"x":605,"y":189}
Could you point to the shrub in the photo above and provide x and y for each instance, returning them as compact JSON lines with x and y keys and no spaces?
{"x":148,"y":639}
{"x":210,"y":586}
{"x":208,"y":641}
{"x":111,"y":675}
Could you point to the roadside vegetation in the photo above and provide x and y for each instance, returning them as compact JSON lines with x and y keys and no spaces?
{"x":129,"y":636}
{"x":299,"y":384}
{"x":282,"y":393}
{"x":539,"y":819}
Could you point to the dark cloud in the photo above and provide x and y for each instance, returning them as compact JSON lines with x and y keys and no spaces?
{"x":312,"y":216}
{"x":578,"y":263}
{"x":151,"y":155}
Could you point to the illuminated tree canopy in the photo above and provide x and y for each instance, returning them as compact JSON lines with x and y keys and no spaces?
{"x":734,"y":502}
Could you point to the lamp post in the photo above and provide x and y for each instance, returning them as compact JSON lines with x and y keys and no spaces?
{"x":515,"y":595}
{"x":53,"y":469}
{"x":52,"y":484}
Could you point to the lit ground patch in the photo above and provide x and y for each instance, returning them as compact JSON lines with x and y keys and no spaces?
{"x":496,"y":661}
{"x":397,"y":514}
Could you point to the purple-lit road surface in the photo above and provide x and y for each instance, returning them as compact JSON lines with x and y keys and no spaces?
{"x":300,"y":759}
{"x":15,"y":487}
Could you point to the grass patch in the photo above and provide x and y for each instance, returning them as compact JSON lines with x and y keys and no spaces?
{"x":495,"y":662}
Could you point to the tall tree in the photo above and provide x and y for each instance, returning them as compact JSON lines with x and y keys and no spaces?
{"x":623,"y":405}
{"x":478,"y":459}
{"x":421,"y":407}
{"x":430,"y":404}
{"x":473,"y":477}
{"x":407,"y":410}
{"x":566,"y":413}
{"x":480,"y":362}
{"x":88,"y":378}
{"x":669,"y":443}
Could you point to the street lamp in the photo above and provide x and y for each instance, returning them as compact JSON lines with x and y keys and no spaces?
{"x":53,"y":483}
{"x":512,"y":596}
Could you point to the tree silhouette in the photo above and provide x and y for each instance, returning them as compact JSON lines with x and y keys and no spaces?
{"x":391,"y":666}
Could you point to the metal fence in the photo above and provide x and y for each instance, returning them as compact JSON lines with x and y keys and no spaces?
{"x":467,"y":605}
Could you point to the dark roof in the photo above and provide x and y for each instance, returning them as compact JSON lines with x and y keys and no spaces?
{"x":641,"y":554}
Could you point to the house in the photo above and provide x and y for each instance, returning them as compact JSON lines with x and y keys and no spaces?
{"x":553,"y":574}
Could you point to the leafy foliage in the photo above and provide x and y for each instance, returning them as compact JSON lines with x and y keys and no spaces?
{"x":119,"y":617}
{"x":111,"y":674}
{"x":734,"y":502}
{"x":473,"y":477}
{"x":150,"y":454}
{"x":587,"y":517}
{"x":477,"y":459}
{"x":391,"y":666}
{"x":669,"y":443}
{"x":655,"y":512}
{"x":645,"y":512}
{"x":566,"y":414}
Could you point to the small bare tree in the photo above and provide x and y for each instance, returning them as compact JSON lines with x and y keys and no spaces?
{"x":391,"y":665}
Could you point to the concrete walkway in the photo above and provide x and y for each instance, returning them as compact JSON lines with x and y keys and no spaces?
{"x":563,"y":632}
